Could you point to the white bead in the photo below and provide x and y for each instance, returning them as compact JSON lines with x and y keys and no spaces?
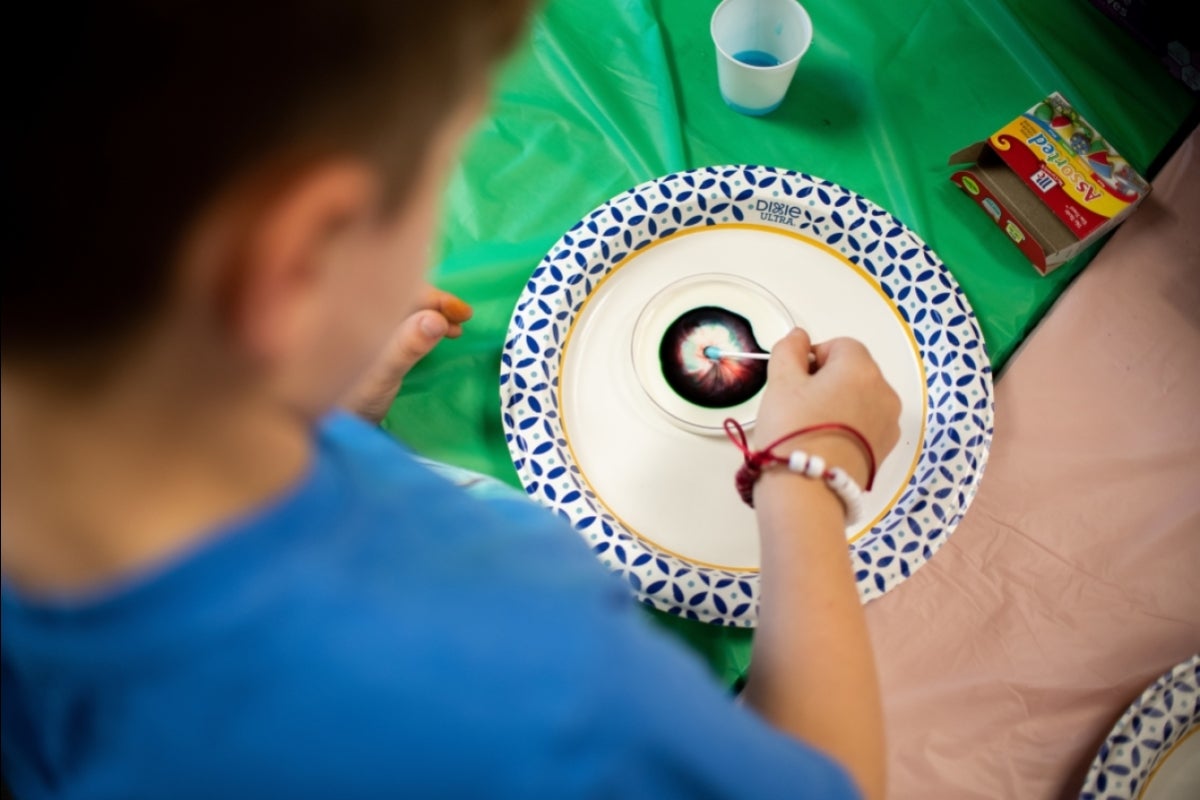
{"x":854,"y":512}
{"x":849,"y":493}
{"x":816,"y":467}
{"x":845,"y":484}
{"x":836,"y":478}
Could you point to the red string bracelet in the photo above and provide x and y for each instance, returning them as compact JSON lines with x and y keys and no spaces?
{"x":755,"y":461}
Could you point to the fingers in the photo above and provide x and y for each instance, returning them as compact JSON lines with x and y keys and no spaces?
{"x":413,"y":340}
{"x":843,"y":384}
{"x":839,"y":349}
{"x":371,"y":397}
{"x":453,"y":308}
{"x":791,"y":351}
{"x":821,"y":353}
{"x":442,"y":317}
{"x":798,"y":348}
{"x":456,"y":310}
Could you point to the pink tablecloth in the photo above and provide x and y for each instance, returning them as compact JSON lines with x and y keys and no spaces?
{"x":1074,"y":579}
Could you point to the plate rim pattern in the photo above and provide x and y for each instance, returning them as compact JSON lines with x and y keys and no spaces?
{"x":1149,"y":729}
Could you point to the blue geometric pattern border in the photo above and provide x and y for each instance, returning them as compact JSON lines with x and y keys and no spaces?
{"x":1165,"y":713}
{"x":958,"y":425}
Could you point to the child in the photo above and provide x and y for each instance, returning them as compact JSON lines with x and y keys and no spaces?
{"x":215,"y":584}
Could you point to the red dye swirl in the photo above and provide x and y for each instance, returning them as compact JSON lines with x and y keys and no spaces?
{"x":706,"y":382}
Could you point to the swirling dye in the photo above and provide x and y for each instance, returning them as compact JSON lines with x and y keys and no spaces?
{"x":706,"y":382}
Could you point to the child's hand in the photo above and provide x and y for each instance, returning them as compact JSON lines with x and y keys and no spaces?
{"x":441,"y":316}
{"x":844,"y":385}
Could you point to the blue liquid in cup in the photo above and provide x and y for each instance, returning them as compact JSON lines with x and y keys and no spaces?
{"x":756,"y":58}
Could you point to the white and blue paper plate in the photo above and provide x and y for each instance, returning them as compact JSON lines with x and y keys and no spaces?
{"x":1153,"y":752}
{"x":646,"y":479}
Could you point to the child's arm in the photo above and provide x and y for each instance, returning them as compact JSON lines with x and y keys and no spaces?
{"x":441,"y":316}
{"x":813,"y":673}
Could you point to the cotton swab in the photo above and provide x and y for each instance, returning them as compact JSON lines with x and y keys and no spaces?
{"x":713,"y":352}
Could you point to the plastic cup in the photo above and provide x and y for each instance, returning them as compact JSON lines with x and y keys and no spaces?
{"x":759,"y":43}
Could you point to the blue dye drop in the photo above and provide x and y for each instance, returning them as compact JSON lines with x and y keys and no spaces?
{"x":756,"y":58}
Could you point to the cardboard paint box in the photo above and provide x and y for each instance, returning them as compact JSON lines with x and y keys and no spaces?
{"x":1050,"y":181}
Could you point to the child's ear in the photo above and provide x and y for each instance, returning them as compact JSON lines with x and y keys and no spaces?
{"x":272,"y":291}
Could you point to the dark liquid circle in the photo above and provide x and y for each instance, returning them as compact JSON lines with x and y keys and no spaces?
{"x":711,"y":383}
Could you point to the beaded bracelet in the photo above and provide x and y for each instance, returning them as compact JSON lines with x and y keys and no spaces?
{"x":835,"y":478}
{"x":800,"y":462}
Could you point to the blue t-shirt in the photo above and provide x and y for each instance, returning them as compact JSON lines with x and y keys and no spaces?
{"x":377,"y":633}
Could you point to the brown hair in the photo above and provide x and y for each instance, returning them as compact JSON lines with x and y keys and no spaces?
{"x":130,"y":116}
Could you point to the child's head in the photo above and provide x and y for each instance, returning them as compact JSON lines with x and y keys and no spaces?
{"x":261,"y":175}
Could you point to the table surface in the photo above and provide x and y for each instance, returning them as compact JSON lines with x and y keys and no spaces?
{"x":1070,"y":586}
{"x":605,"y":95}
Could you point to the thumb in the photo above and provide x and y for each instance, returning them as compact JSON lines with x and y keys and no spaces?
{"x":414,"y":339}
{"x":410,"y":342}
{"x":791,"y":351}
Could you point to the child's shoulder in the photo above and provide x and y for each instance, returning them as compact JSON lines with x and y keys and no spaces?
{"x":437,"y":504}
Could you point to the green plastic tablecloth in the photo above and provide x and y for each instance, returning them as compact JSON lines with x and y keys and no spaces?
{"x":605,"y":94}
